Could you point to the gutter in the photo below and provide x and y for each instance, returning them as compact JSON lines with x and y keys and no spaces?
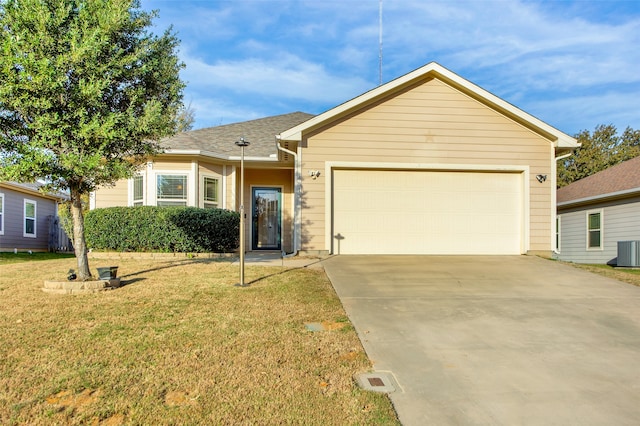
{"x":562,"y":157}
{"x":297,"y":179}
{"x":210,"y":154}
{"x":600,"y":198}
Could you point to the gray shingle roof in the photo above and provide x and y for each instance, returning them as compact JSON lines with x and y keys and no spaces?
{"x":621,"y":177}
{"x":221,"y":140}
{"x":35,"y":187}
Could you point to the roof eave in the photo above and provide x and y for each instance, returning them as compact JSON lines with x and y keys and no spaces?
{"x":56,"y":196}
{"x":195,"y":152}
{"x":600,"y":197}
{"x":202,"y":153}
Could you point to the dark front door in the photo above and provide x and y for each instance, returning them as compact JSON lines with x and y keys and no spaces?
{"x":266,"y":218}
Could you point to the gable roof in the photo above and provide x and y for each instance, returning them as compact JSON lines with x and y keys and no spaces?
{"x":220,"y":141}
{"x":34,"y":189}
{"x":618,"y":180}
{"x":561,"y":141}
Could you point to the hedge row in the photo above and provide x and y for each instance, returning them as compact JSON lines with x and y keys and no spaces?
{"x":164,"y":229}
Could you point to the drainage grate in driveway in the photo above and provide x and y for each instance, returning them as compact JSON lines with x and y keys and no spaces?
{"x":376,"y":382}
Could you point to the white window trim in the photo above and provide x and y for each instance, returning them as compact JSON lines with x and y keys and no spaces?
{"x":2,"y":213}
{"x":590,"y":212}
{"x":131,"y":189}
{"x":35,"y":218}
{"x":201,"y":199}
{"x":153,"y":196}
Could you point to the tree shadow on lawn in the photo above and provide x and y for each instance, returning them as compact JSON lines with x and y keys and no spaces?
{"x":124,"y":283}
{"x":195,"y":261}
{"x":257,"y":280}
{"x":169,"y":266}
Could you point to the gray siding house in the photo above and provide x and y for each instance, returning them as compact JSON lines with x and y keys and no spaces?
{"x":29,"y":219}
{"x":596,"y":212}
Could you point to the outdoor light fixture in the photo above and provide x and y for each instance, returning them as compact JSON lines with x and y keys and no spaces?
{"x":242,"y":144}
{"x":541,"y":178}
{"x":314,"y":173}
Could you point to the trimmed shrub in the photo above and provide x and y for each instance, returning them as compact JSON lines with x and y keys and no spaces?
{"x":165,"y":229}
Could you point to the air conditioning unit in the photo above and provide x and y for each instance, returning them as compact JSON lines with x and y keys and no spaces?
{"x":628,"y":253}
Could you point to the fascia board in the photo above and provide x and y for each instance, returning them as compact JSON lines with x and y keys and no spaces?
{"x":194,"y":152}
{"x":246,"y":158}
{"x":200,"y":153}
{"x":599,"y":198}
{"x":56,"y":196}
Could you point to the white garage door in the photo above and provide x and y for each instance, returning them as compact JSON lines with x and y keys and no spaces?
{"x":427,"y":212}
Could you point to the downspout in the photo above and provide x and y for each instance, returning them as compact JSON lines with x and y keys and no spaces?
{"x":297,"y":178}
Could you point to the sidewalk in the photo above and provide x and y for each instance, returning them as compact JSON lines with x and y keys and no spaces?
{"x":271,"y":258}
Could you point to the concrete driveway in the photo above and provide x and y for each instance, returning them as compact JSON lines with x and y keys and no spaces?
{"x":496,"y":340}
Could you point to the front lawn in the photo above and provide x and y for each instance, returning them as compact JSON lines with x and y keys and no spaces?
{"x":24,"y":256}
{"x":179,"y":344}
{"x":628,"y":275}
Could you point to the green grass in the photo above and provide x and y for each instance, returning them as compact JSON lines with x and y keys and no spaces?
{"x":179,"y":344}
{"x":10,"y":257}
{"x":628,"y":275}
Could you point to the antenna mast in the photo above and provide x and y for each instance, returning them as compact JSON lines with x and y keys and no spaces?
{"x":380,"y":42}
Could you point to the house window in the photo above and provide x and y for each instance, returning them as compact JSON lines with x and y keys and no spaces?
{"x":1,"y":214}
{"x":558,"y":233}
{"x":594,"y":230}
{"x":210,"y":189}
{"x":30,"y":210}
{"x":171,"y":190}
{"x":138,"y":190}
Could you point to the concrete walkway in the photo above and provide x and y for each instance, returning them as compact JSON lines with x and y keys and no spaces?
{"x":272,"y":258}
{"x":496,"y":340}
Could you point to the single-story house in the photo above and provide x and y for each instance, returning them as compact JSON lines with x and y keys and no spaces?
{"x":428,"y":163}
{"x":29,"y":218}
{"x":596,"y":212}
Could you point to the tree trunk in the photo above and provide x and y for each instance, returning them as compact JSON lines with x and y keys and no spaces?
{"x":79,"y":243}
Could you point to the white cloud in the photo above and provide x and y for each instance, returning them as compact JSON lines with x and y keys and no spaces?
{"x":587,"y":111}
{"x":555,"y":57}
{"x":285,"y":76}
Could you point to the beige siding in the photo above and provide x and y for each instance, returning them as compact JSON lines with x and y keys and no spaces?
{"x":208,"y":168}
{"x":428,"y":124}
{"x":230,"y":187}
{"x":162,"y":164}
{"x":113,"y":196}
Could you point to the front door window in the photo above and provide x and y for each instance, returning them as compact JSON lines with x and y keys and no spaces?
{"x":266,"y":218}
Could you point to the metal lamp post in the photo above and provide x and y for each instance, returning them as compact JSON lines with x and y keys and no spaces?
{"x":242,"y":143}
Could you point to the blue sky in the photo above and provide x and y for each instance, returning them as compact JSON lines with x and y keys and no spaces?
{"x":572,"y":64}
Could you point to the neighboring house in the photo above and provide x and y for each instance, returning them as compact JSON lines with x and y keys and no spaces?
{"x":428,"y":163}
{"x":29,"y":218}
{"x":596,"y":212}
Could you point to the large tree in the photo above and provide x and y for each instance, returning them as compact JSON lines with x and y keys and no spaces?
{"x":86,"y":91}
{"x":599,"y":150}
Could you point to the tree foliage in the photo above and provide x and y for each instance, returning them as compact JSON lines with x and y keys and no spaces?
{"x":86,"y":92}
{"x":186,"y":118}
{"x":599,"y":150}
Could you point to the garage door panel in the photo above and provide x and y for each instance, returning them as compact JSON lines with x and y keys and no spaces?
{"x":427,"y":212}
